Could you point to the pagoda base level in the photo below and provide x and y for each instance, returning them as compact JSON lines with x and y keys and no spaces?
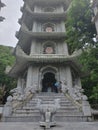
{"x":68,"y":111}
{"x":58,"y":119}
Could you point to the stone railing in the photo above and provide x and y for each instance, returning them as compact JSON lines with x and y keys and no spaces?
{"x":16,"y":101}
{"x":77,"y":103}
{"x":83,"y":105}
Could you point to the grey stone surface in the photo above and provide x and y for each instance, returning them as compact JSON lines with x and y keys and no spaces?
{"x":76,"y":126}
{"x":86,"y":106}
{"x":38,"y":68}
{"x":19,"y":126}
{"x":7,"y":111}
{"x":60,"y":126}
{"x":29,"y":113}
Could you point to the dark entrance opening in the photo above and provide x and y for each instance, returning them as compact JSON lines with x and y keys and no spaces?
{"x":48,"y":82}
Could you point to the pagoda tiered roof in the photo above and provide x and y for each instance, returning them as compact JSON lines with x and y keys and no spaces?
{"x":23,"y":60}
{"x":24,"y":35}
{"x":27,"y":10}
{"x":42,"y":16}
{"x":31,"y":3}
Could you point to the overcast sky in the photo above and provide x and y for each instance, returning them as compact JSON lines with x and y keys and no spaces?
{"x":10,"y":25}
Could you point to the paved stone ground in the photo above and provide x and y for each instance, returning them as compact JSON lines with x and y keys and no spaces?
{"x":60,"y":126}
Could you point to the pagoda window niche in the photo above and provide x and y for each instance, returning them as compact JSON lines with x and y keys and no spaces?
{"x":48,"y":9}
{"x":49,"y":48}
{"x":48,"y":27}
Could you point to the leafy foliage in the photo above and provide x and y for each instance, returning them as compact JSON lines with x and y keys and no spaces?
{"x":80,"y":34}
{"x":80,"y":30}
{"x":90,"y":83}
{"x":6,"y":83}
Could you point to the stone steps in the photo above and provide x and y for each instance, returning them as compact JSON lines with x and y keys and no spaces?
{"x":37,"y":111}
{"x":67,"y":112}
{"x":62,"y":108}
{"x":67,"y":118}
{"x":57,"y":114}
{"x":28,"y":106}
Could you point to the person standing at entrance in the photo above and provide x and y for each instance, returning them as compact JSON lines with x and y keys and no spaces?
{"x":58,"y":86}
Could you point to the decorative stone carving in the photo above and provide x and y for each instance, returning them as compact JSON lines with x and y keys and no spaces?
{"x":65,"y":88}
{"x":77,"y":93}
{"x":86,"y":106}
{"x":47,"y":112}
{"x":32,"y":89}
{"x":29,"y":89}
{"x":7,"y":110}
{"x":48,"y":27}
{"x":17,"y":94}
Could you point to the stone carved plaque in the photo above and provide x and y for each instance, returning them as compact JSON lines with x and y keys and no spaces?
{"x":49,"y":29}
{"x":49,"y":50}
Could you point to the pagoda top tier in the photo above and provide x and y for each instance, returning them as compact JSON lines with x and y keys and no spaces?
{"x":39,"y":2}
{"x":32,"y":3}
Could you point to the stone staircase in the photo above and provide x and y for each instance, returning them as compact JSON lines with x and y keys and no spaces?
{"x":29,"y":113}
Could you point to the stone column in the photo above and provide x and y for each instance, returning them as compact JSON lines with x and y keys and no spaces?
{"x":29,"y":77}
{"x":19,"y":85}
{"x":23,"y":85}
{"x":69,"y":79}
{"x":32,"y":51}
{"x":65,"y":48}
{"x":63,"y":27}
{"x":34,"y":28}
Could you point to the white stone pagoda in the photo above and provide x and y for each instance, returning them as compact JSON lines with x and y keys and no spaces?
{"x":42,"y":58}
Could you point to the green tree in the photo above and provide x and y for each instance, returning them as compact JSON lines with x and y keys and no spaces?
{"x":80,"y":30}
{"x":80,"y":34}
{"x":6,"y":83}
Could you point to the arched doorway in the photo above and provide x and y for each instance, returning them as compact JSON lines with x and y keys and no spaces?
{"x":48,"y":82}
